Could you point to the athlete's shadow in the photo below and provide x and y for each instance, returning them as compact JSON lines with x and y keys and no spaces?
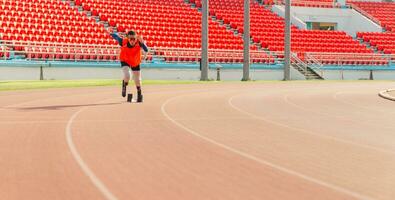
{"x":60,"y":107}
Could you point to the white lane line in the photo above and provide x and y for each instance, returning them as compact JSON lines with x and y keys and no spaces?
{"x":261,"y":161}
{"x":85,"y":168}
{"x":103,"y":189}
{"x":77,"y":157}
{"x":336,"y":98}
{"x":289,"y":102}
{"x":344,"y":118}
{"x":384,"y":94}
{"x":306,"y":131}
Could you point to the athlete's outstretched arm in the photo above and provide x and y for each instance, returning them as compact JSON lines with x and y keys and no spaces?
{"x":142,"y":43}
{"x":116,"y":37}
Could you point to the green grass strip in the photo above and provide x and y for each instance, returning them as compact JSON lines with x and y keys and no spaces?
{"x":27,"y":85}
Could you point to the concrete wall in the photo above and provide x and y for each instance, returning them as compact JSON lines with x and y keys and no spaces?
{"x":72,"y":73}
{"x":280,"y":11}
{"x":358,"y":75}
{"x":347,"y":20}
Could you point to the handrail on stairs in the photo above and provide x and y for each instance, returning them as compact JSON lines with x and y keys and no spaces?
{"x":299,"y":63}
{"x":314,"y":64}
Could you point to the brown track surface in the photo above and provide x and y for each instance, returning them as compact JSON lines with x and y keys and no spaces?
{"x":392,"y":93}
{"x":258,"y":141}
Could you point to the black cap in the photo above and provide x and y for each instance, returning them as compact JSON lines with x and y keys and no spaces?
{"x":131,"y":33}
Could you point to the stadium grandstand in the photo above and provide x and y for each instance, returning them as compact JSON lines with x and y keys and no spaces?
{"x":78,"y":32}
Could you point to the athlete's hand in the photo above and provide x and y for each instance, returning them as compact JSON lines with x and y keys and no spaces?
{"x":140,"y":38}
{"x":145,"y":56}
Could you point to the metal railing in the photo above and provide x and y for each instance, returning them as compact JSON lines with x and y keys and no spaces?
{"x":311,"y":3}
{"x":314,"y":64}
{"x":341,"y":59}
{"x":297,"y":62}
{"x":367,"y":0}
{"x":49,"y":51}
{"x":215,"y":55}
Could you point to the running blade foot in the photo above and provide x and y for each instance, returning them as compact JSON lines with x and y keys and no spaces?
{"x":130,"y":96}
{"x":140,"y":98}
{"x":123,"y":88}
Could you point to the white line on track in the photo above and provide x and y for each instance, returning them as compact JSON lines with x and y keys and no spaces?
{"x":336,"y":97}
{"x":384,"y":94}
{"x":110,"y":196}
{"x":85,"y":168}
{"x":306,"y":131}
{"x":261,"y":161}
{"x":103,"y":189}
{"x":363,"y":123}
{"x":95,"y":180}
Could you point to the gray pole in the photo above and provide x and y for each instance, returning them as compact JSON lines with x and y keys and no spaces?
{"x":204,"y":54}
{"x":41,"y":73}
{"x":287,"y":48}
{"x":246,"y":63}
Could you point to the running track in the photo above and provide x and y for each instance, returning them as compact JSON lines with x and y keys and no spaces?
{"x":316,"y":140}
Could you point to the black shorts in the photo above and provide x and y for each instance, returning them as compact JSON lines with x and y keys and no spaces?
{"x":137,"y":68}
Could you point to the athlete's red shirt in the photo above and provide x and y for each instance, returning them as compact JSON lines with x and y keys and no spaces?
{"x":132,"y":55}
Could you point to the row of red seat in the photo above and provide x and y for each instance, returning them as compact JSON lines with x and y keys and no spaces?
{"x":71,"y":23}
{"x":22,"y":27}
{"x":136,"y":3}
{"x":351,"y":59}
{"x":30,"y":7}
{"x":3,"y":53}
{"x":164,"y":22}
{"x":219,"y":60}
{"x":52,"y":33}
{"x":312,"y":3}
{"x":383,"y":42}
{"x":355,"y":61}
{"x":46,"y":3}
{"x":67,"y":53}
{"x":168,"y":17}
{"x":31,"y":1}
{"x":61,"y":20}
{"x":260,"y":18}
{"x":55,"y":16}
{"x":148,"y":20}
{"x":60,"y":39}
{"x":155,"y":24}
{"x":83,"y":32}
{"x":28,"y":10}
{"x":190,"y":45}
{"x":216,"y":56}
{"x":49,"y":21}
{"x":77,"y":57}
